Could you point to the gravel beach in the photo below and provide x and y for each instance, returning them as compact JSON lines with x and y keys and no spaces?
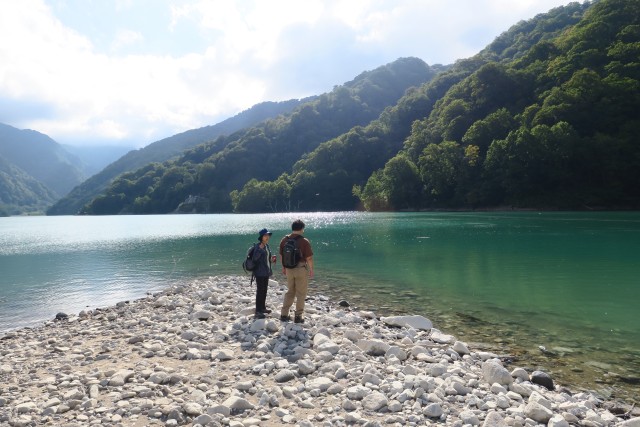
{"x":194,"y":355}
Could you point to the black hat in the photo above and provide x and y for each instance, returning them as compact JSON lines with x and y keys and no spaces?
{"x":263,"y":232}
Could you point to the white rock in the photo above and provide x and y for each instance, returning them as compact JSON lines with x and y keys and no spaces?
{"x":537,"y":412}
{"x":121,"y":377}
{"x":497,"y":389}
{"x":224,"y":354}
{"x":323,"y":383}
{"x":352,"y":335}
{"x":163,"y":301}
{"x":284,"y":375}
{"x":437,"y":370}
{"x":26,"y":407}
{"x":5,"y":369}
{"x":633,"y":422}
{"x":460,"y":348}
{"x":460,"y":389}
{"x":192,"y":409}
{"x":374,"y":401}
{"x":520,"y":373}
{"x":396,"y":351}
{"x":373,"y":347}
{"x":258,"y":325}
{"x":494,"y":372}
{"x":236,"y":403}
{"x":202,"y":420}
{"x":538,"y":398}
{"x":319,"y":339}
{"x":306,"y":367}
{"x":394,"y":406}
{"x":272,"y":326}
{"x":357,"y":392}
{"x":520,"y":389}
{"x":433,"y":410}
{"x":494,"y":419}
{"x":329,"y":346}
{"x":486,"y":355}
{"x":193,"y":354}
{"x":469,"y":417}
{"x":415,"y":322}
{"x":51,"y":402}
{"x":371,"y":378}
{"x":440,"y":337}
{"x":201,"y":315}
{"x":557,"y":421}
{"x":219,"y":409}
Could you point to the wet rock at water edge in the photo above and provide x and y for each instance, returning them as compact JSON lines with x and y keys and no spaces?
{"x":415,"y":322}
{"x":61,"y":316}
{"x":543,"y":379}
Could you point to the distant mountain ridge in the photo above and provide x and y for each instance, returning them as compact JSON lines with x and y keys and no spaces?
{"x":95,"y":158}
{"x":165,"y":149}
{"x":35,"y":170}
{"x":210,"y":171}
{"x":20,"y":192}
{"x":41,"y":157}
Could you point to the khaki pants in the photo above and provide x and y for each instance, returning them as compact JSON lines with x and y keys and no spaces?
{"x":297,"y":284}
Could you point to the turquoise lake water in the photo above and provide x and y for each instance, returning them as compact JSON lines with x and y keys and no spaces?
{"x":507,"y":282}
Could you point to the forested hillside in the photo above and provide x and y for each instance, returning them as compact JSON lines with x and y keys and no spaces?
{"x":544,"y":117}
{"x":41,"y":157}
{"x":34,"y":171}
{"x":210,"y":171}
{"x":557,"y":127}
{"x":166,"y":149}
{"x":20,"y":192}
{"x":324,"y":179}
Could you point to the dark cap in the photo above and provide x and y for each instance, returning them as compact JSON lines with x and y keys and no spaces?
{"x":263,"y":232}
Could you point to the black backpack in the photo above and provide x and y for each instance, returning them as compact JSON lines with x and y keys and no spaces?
{"x":290,"y":252}
{"x":249,"y":264}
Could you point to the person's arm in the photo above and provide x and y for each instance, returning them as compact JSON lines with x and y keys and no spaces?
{"x":284,"y":270}
{"x":259,"y":252}
{"x":310,"y":265}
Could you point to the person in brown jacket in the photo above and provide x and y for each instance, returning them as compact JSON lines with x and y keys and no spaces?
{"x":298,"y":273}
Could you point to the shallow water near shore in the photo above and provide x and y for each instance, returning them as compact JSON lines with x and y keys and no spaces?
{"x":506,"y":282}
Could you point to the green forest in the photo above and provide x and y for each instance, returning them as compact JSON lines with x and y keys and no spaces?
{"x":213,"y":170}
{"x":544,"y":117}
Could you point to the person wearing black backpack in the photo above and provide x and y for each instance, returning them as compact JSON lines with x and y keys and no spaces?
{"x":297,"y":264}
{"x":262,"y":271}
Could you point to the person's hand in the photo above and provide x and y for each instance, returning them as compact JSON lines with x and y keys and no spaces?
{"x":310,"y":274}
{"x":284,"y":271}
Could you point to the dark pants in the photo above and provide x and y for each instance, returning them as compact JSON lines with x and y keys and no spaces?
{"x":261,"y":293}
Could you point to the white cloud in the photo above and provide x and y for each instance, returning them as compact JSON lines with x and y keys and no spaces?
{"x":124,"y":38}
{"x":253,"y":51}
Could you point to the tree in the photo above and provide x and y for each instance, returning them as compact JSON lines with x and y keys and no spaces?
{"x":439,"y":167}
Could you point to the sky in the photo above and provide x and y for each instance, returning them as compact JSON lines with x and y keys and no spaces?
{"x":131,"y":72}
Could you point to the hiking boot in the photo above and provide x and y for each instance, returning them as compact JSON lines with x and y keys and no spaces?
{"x":266,"y":311}
{"x":259,"y":315}
{"x":299,"y":319}
{"x":285,"y":318}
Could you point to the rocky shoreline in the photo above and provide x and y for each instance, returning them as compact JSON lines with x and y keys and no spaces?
{"x":195,"y":355}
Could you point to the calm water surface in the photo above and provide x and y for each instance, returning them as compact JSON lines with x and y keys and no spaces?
{"x":507,"y":282}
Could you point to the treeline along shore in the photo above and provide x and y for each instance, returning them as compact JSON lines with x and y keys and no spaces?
{"x":195,"y":355}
